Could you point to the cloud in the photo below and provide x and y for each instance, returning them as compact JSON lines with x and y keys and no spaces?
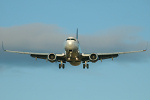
{"x":118,"y":39}
{"x":50,"y":38}
{"x":113,"y":39}
{"x":33,"y":37}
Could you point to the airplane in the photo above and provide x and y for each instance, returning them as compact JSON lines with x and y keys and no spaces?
{"x":73,"y":54}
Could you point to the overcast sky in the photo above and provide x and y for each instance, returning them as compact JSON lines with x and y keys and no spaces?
{"x":104,"y":26}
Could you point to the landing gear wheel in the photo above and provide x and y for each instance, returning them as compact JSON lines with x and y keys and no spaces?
{"x":87,"y":66}
{"x":63,"y":66}
{"x":83,"y":66}
{"x":59,"y":66}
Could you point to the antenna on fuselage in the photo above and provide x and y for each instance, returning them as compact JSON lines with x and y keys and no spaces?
{"x":77,"y":34}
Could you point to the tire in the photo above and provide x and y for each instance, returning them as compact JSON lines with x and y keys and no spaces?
{"x":83,"y":66}
{"x":59,"y":66}
{"x":87,"y":66}
{"x":63,"y":66}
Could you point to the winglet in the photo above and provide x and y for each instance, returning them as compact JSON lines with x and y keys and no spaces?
{"x":3,"y":46}
{"x":146,"y":47}
{"x":77,"y":34}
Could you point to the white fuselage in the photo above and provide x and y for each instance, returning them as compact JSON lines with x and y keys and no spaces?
{"x":72,"y":51}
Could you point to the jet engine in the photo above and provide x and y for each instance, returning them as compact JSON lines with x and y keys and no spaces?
{"x":93,"y":57}
{"x":52,"y":57}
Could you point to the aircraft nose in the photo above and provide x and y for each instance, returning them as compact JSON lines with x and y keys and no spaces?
{"x":69,"y":45}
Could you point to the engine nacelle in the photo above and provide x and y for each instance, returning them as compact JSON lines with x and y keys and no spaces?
{"x":93,"y":57}
{"x":52,"y":57}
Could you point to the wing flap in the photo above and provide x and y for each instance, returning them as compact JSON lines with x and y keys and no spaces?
{"x":107,"y":56}
{"x":39,"y":56}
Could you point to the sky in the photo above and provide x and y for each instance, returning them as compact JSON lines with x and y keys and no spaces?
{"x":104,"y":26}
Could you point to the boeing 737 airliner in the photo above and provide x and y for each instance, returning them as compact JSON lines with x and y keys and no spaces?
{"x":72,"y":54}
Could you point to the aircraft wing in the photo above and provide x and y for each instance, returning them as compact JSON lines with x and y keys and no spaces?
{"x":38,"y":55}
{"x":121,"y":52}
{"x":26,"y":52}
{"x":85,"y":57}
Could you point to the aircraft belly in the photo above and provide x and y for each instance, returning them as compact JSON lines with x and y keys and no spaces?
{"x":75,"y":63}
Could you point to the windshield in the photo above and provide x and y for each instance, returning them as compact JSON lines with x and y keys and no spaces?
{"x":71,"y":39}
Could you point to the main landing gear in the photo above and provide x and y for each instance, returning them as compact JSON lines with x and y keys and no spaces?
{"x":85,"y":65}
{"x":61,"y":65}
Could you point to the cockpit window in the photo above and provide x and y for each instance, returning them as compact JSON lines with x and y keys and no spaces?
{"x":67,"y":39}
{"x":71,"y":39}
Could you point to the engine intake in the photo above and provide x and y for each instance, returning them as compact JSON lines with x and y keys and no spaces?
{"x":93,"y":57}
{"x":52,"y":57}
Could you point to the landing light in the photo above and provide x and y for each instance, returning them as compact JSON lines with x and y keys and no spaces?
{"x":77,"y":59}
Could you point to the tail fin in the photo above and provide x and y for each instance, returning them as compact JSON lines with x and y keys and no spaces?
{"x":77,"y":34}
